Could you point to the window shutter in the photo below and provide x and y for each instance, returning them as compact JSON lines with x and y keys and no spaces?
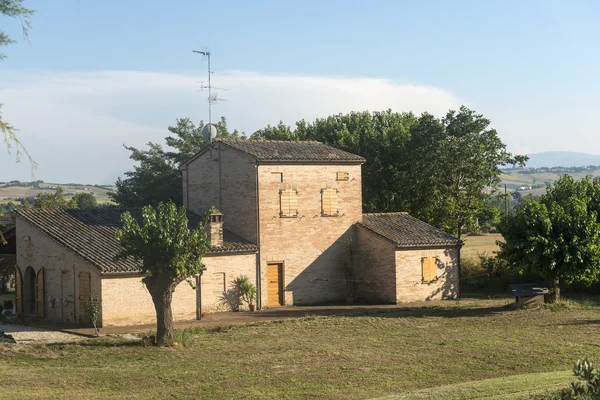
{"x":329,"y":202}
{"x":342,"y":176}
{"x":288,"y":202}
{"x":429,"y":269}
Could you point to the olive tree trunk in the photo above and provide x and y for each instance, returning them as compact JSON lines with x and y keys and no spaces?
{"x":555,"y":296}
{"x":161,"y":289}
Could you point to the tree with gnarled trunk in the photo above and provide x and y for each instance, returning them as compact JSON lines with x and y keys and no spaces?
{"x":557,"y":237}
{"x":170,"y":252}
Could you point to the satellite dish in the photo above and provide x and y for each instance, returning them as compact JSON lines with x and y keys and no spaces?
{"x":210,"y":132}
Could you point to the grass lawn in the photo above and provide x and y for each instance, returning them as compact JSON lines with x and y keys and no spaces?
{"x":447,"y":350}
{"x":485,"y":243}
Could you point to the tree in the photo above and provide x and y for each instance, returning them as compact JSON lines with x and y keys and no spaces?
{"x":170,"y":252}
{"x":53,"y":200}
{"x":84,"y":200}
{"x":14,"y":9}
{"x":93,"y":307}
{"x":557,"y":237}
{"x":156,"y":178}
{"x":451,"y":162}
{"x":436,"y":169}
{"x":380,"y":137}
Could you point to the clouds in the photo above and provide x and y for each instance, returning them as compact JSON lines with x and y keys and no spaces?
{"x":74,"y":124}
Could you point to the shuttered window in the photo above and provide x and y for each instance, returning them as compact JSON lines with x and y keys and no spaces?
{"x":429,"y":269}
{"x":289,"y":202}
{"x":342,"y":176}
{"x":329,"y":202}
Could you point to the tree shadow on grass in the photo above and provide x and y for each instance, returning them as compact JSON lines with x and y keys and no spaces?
{"x":386,"y":312}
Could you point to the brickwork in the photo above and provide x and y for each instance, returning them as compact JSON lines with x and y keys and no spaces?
{"x":409,"y":278}
{"x":61,"y":273}
{"x":228,"y":182}
{"x":126,"y":300}
{"x":312,"y":247}
{"x":377,"y":267}
{"x":217,"y":279}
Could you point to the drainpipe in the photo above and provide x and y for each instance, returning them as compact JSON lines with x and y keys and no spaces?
{"x":258,"y":260}
{"x":199,"y":294}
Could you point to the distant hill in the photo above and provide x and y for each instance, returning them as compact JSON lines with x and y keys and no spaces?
{"x":12,"y":191}
{"x":562,"y":159}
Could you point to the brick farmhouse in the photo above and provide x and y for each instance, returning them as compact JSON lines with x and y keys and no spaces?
{"x":289,"y":217}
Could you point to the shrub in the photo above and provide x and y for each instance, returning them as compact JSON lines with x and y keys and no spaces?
{"x":92,"y":308}
{"x":588,"y":386}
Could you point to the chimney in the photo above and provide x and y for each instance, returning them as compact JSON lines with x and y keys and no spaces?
{"x":214,"y":228}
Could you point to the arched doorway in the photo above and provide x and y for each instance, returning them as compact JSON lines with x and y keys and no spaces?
{"x":29,"y":291}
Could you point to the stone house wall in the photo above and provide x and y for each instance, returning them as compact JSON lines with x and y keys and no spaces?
{"x":228,"y":182}
{"x":61,"y":273}
{"x":409,"y":285}
{"x":377,"y":267}
{"x":126,"y":301}
{"x":311,"y":247}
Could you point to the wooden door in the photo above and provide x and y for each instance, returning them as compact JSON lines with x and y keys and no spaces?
{"x":39,"y":294}
{"x":84,"y":295}
{"x":274,"y":284}
{"x":19,"y":291}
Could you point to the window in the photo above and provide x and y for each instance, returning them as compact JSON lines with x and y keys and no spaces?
{"x":289,"y":203}
{"x":329,"y":202}
{"x":429,"y":267}
{"x":342,"y":176}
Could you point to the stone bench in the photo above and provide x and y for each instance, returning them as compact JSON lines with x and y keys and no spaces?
{"x":529,"y":294}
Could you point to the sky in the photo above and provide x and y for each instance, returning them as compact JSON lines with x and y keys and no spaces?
{"x":97,"y":75}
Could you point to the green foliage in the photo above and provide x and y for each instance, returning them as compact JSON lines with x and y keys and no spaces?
{"x":92,"y":307}
{"x":84,"y":200}
{"x":156,"y":177}
{"x":588,"y":387}
{"x":55,"y":199}
{"x":557,"y":237}
{"x":164,"y":243}
{"x":245,"y":288}
{"x":437,"y":169}
{"x":169,"y":251}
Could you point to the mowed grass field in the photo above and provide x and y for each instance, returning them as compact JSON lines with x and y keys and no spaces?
{"x":475,"y":245}
{"x":459,"y":350}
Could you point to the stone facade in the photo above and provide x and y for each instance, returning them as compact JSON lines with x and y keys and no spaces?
{"x":226,"y":179}
{"x":216,"y":281}
{"x":62,"y":269}
{"x":377,"y":268}
{"x":311,"y":247}
{"x":408,"y":274}
{"x":392,"y":275}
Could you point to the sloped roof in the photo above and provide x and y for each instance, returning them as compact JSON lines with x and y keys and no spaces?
{"x":90,"y":234}
{"x":407,"y":231}
{"x":282,"y":151}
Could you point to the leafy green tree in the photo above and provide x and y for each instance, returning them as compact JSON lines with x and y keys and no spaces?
{"x":451,"y":162}
{"x":557,"y":237}
{"x":437,"y":169}
{"x":170,"y":252}
{"x":156,"y":177}
{"x":14,"y":9}
{"x":380,"y":137}
{"x":85,"y":200}
{"x":55,"y":199}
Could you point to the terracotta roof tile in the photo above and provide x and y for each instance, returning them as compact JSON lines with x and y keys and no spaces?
{"x":291,"y":151}
{"x":407,"y":231}
{"x":90,"y":234}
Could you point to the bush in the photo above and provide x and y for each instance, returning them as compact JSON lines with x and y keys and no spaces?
{"x":588,"y":386}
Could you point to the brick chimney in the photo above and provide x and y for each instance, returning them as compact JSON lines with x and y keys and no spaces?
{"x":214,"y":228}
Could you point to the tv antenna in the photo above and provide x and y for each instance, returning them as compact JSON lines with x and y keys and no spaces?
{"x":212,"y":98}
